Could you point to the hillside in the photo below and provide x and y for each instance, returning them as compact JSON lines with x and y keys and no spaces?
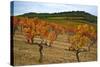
{"x":72,"y":15}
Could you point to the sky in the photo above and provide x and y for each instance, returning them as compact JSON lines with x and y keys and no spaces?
{"x":21,"y":7}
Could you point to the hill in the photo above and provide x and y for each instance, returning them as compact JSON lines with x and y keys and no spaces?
{"x":72,"y":15}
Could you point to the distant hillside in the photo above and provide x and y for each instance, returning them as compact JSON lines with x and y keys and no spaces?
{"x":72,"y":15}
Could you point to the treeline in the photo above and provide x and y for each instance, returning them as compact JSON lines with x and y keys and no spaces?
{"x":84,"y":15}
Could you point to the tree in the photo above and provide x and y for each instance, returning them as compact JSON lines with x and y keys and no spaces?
{"x":79,"y":44}
{"x":29,"y":34}
{"x":15,"y":23}
{"x":88,"y":31}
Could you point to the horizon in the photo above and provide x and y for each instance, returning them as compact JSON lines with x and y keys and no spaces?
{"x":22,"y":7}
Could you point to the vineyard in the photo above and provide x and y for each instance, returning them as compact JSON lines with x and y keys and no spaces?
{"x":53,"y":40}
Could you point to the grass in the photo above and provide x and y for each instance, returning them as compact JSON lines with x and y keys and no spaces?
{"x":28,"y":54}
{"x":25,"y":53}
{"x":68,"y":22}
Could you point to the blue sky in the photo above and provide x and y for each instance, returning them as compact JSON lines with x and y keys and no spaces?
{"x":21,"y":7}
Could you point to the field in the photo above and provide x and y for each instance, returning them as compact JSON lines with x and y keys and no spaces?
{"x":27,"y":54}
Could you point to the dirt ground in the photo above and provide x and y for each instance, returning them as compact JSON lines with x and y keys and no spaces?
{"x":27,"y":54}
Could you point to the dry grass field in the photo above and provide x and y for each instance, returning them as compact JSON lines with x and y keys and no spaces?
{"x":27,"y":54}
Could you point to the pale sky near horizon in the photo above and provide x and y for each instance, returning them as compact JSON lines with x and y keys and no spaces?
{"x":21,"y":7}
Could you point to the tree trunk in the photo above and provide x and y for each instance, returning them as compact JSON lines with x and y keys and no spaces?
{"x":77,"y":55}
{"x":32,"y":40}
{"x":28,"y":41}
{"x":93,"y":41}
{"x":41,"y":54}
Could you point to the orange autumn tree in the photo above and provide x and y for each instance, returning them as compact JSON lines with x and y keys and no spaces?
{"x":15,"y":22}
{"x":29,"y":34}
{"x":79,"y":44}
{"x":89,"y":31}
{"x":28,"y":29}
